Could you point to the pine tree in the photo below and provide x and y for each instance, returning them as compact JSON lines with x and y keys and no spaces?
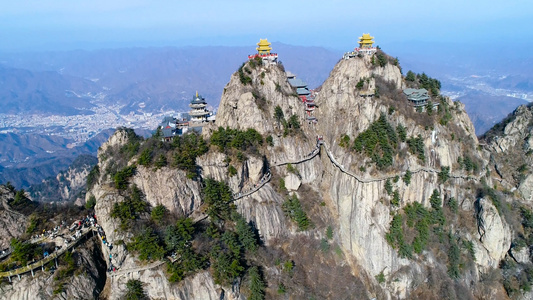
{"x":407,"y":177}
{"x":410,"y":76}
{"x":257,"y":285}
{"x":278,"y":114}
{"x":246,"y":235}
{"x":135,"y":290}
{"x":388,"y":187}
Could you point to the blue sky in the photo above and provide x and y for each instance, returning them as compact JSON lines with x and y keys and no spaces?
{"x":336,"y":24}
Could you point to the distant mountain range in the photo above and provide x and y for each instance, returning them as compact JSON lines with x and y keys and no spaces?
{"x":32,"y":92}
{"x":487,"y":110}
{"x":156,"y":79}
{"x":163,"y":79}
{"x":29,"y":158}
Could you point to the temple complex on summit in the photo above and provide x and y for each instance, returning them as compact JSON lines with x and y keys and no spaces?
{"x":263,"y":51}
{"x":366,"y":46}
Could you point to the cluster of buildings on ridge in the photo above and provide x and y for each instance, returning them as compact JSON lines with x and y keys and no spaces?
{"x":199,"y":115}
{"x":418,"y":97}
{"x":307,"y":96}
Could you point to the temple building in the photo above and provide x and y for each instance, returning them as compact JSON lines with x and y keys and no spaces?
{"x":307,"y":97}
{"x":199,"y":112}
{"x":300,"y":86}
{"x":263,"y":47}
{"x":419,"y":97}
{"x":168,"y":128}
{"x":263,"y":51}
{"x":366,"y":46}
{"x":193,"y":121}
{"x":366,"y":41}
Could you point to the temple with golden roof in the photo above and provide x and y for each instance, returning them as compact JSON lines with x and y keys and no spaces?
{"x":263,"y":47}
{"x":366,"y":41}
{"x":366,"y":46}
{"x":263,"y":51}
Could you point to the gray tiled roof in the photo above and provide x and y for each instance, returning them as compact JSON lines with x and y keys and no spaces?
{"x":416,"y":94}
{"x":198,"y":100}
{"x":302,"y":91}
{"x":296,"y":82}
{"x":168,"y":132}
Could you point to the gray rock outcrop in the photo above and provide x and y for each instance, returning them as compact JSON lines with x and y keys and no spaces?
{"x":12,"y":223}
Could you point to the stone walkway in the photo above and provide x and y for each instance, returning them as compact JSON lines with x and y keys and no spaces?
{"x":382,"y":178}
{"x":138,"y":269}
{"x":40,"y":264}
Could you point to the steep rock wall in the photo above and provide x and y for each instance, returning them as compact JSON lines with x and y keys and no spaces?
{"x":12,"y":223}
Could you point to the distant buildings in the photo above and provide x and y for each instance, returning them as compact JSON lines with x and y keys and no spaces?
{"x":263,"y":51}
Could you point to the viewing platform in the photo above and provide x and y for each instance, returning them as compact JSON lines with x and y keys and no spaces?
{"x":199,"y":113}
{"x":264,"y":56}
{"x":197,"y":105}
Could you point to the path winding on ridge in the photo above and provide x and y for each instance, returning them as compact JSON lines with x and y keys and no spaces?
{"x":138,"y":269}
{"x":266,"y":178}
{"x":375,"y":179}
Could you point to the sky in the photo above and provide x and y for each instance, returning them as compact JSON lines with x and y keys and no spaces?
{"x":37,"y":25}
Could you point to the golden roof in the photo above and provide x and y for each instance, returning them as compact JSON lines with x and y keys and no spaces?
{"x":366,"y":37}
{"x":366,"y":40}
{"x":263,"y":46}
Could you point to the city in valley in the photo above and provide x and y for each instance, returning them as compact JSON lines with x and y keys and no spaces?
{"x":80,"y":128}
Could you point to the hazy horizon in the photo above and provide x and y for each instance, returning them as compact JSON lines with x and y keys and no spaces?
{"x":67,"y":25}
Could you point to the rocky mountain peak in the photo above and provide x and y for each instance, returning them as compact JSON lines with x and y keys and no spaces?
{"x":250,"y":98}
{"x":511,"y":145}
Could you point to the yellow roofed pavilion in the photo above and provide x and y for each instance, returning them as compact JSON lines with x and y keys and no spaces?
{"x":366,"y":41}
{"x":263,"y":47}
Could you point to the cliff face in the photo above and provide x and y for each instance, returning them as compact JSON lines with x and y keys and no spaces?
{"x":511,"y":145}
{"x":68,"y":185}
{"x":362,"y":215}
{"x":179,"y":195}
{"x":12,"y":223}
{"x":252,"y":105}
